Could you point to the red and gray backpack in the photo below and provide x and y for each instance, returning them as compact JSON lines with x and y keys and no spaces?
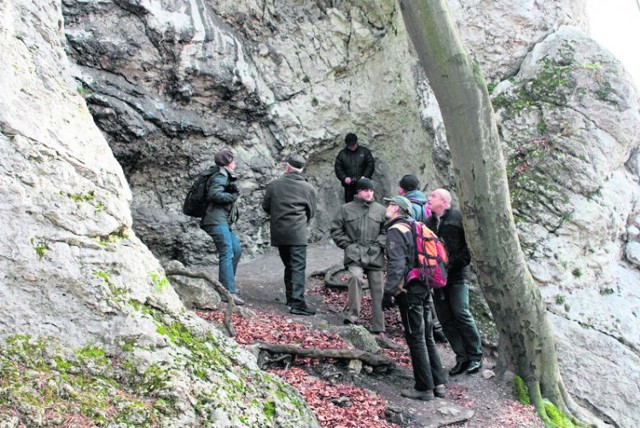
{"x":432,"y":259}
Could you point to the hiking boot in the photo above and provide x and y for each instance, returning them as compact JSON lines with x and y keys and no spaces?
{"x":237,"y":300}
{"x":352,"y":319}
{"x":302,"y":310}
{"x":459,"y":368}
{"x":474,"y":366}
{"x":440,"y":391}
{"x":438,"y":336}
{"x":414,"y":394}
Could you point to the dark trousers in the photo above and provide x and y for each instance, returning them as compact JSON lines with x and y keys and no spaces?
{"x":294,"y":258}
{"x":350,"y":192}
{"x":452,"y":304}
{"x":416,"y":320}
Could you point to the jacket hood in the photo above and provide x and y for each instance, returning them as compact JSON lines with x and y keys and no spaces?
{"x":416,"y":196}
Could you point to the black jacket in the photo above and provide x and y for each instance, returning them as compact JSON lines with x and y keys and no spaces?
{"x":449,"y":227}
{"x":291,"y":202}
{"x":355,"y":164}
{"x":222,"y":196}
{"x":401,"y":256}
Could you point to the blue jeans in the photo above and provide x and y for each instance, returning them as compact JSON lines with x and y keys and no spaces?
{"x":229,"y":252}
{"x":452,"y":304}
{"x":416,"y":320}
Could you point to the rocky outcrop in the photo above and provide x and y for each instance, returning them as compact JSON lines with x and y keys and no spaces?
{"x":169,"y":83}
{"x":177,"y":82}
{"x":571,"y":124}
{"x":85,"y":305}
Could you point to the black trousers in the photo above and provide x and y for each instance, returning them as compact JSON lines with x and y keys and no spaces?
{"x":416,"y":320}
{"x":294,"y":258}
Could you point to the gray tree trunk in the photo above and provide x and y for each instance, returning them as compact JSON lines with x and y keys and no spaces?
{"x":526,"y":340}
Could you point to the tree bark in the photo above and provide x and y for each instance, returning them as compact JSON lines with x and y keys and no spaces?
{"x":526,"y":339}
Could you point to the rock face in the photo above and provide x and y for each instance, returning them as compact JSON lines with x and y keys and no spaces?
{"x":169,"y":83}
{"x":74,"y":273}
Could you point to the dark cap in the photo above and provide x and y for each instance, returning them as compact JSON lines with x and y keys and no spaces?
{"x":224,"y":157}
{"x":400,"y":201}
{"x":351,"y":139}
{"x":365,"y":184}
{"x":409,"y":182}
{"x":296,"y":161}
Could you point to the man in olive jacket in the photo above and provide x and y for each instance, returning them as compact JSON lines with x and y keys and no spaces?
{"x":291,"y":202}
{"x":358,"y":228}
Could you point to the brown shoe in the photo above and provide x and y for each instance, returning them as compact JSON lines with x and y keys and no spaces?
{"x":414,"y":394}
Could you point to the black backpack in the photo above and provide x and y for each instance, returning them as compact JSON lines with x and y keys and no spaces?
{"x":195,"y":204}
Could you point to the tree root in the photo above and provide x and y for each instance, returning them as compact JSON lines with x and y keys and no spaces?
{"x":182,"y":271}
{"x":379,"y":362}
{"x":567,"y":413}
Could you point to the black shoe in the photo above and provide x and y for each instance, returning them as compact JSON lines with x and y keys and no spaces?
{"x":474,"y":366}
{"x":438,"y":336}
{"x":302,"y":310}
{"x":440,"y":391}
{"x":459,"y":368}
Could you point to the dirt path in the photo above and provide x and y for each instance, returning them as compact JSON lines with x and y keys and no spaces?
{"x":478,"y":400}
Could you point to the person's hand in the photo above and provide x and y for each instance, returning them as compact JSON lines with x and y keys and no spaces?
{"x":231,"y":188}
{"x":401,"y":298}
{"x":387,"y":301}
{"x":347,"y":180}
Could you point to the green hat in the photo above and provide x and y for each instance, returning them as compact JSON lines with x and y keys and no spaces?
{"x":400,"y":201}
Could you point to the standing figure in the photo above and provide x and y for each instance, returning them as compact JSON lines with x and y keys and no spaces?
{"x":413,"y":301}
{"x":220,"y":216}
{"x":358,"y":228}
{"x":409,"y":188}
{"x":353,"y":163}
{"x":452,"y":301}
{"x":291,"y":202}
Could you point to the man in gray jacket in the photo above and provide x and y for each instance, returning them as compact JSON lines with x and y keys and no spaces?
{"x":291,"y":202}
{"x":358,"y":228}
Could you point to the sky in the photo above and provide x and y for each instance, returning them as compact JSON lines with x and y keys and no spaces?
{"x":615,"y":24}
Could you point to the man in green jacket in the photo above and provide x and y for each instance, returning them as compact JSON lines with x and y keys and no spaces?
{"x":291,"y":202}
{"x":358,"y":228}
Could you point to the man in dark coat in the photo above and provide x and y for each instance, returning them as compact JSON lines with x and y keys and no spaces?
{"x":220,"y":215}
{"x":291,"y":202}
{"x":353,"y":163}
{"x":452,"y":301}
{"x":413,"y":302}
{"x":358,"y":228}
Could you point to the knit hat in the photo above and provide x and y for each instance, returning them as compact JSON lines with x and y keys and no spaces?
{"x":296,"y":161}
{"x":409,"y":182}
{"x":365,"y":184}
{"x":224,"y":157}
{"x":351,"y":139}
{"x":400,"y":201}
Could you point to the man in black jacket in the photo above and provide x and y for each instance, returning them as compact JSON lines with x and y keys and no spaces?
{"x":291,"y":202}
{"x":452,"y":301}
{"x":413,"y":300}
{"x":352,"y":163}
{"x":219,"y":218}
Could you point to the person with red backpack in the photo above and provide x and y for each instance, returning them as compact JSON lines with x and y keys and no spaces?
{"x":413,"y":299}
{"x":452,"y":301}
{"x":409,"y":187}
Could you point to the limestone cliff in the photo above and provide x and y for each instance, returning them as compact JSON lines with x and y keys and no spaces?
{"x":169,"y":83}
